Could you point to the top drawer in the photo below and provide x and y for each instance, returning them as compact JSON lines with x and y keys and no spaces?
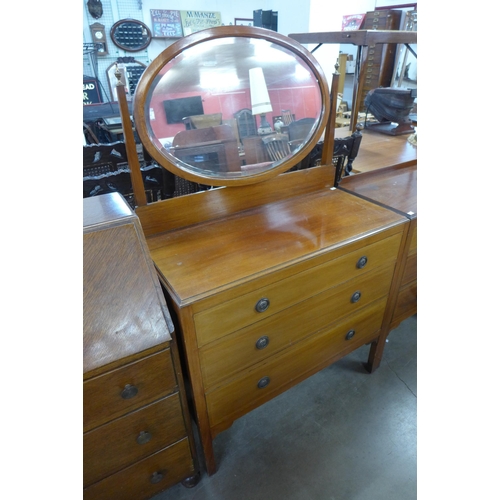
{"x":244,"y":310}
{"x":127,"y":388}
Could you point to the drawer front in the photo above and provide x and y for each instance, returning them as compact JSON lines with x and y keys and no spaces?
{"x":243,"y":393}
{"x":225,"y":357}
{"x":116,"y":445}
{"x":147,"y":477}
{"x":406,"y":304}
{"x":413,"y":243}
{"x":232,"y":315}
{"x":127,"y":388}
{"x":410,"y":272}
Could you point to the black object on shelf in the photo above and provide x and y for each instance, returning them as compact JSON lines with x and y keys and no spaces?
{"x":265,"y":19}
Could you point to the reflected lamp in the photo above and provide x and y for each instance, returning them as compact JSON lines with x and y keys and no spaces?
{"x":259,"y":98}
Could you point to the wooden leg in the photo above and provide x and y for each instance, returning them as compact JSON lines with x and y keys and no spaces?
{"x":375,"y":355}
{"x":192,"y":481}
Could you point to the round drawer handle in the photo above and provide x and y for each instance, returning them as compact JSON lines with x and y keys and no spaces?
{"x":362,"y":262}
{"x":129,"y":391}
{"x":143,"y":437}
{"x":355,"y":297}
{"x":262,"y":342}
{"x":263,"y":382}
{"x":350,"y":334}
{"x":262,"y":305}
{"x":156,"y":477}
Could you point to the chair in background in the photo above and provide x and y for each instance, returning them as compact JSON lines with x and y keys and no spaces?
{"x":277,"y":146}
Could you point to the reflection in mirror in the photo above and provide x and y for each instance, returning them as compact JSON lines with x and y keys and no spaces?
{"x":208,"y":116}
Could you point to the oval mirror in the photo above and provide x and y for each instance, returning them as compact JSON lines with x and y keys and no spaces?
{"x":130,"y":35}
{"x":231,"y":105}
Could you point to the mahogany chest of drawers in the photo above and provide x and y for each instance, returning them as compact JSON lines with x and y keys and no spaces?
{"x":396,"y":189}
{"x":137,"y":438}
{"x":268,"y":284}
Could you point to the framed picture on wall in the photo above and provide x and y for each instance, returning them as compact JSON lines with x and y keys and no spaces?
{"x":240,"y":21}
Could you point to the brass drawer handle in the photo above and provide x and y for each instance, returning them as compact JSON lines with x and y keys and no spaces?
{"x":143,"y":437}
{"x":362,"y":262}
{"x":350,"y":334}
{"x":262,"y":343}
{"x":263,"y":382}
{"x":355,"y":297}
{"x":262,"y":305}
{"x":157,"y":476}
{"x":129,"y":391}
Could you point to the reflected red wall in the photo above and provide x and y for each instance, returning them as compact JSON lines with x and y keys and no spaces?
{"x":303,"y":102}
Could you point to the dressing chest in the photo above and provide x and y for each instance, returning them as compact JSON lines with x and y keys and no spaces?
{"x":273,"y":274}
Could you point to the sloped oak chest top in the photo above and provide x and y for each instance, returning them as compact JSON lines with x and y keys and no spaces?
{"x":269,"y":284}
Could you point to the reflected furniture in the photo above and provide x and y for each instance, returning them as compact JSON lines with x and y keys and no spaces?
{"x":254,"y":149}
{"x":363,"y":39}
{"x":276,"y":274}
{"x":247,"y":125}
{"x":137,"y":436}
{"x":211,"y":147}
{"x":202,"y":121}
{"x":277,"y":146}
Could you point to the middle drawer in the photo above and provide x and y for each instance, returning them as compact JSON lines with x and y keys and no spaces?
{"x":120,"y":443}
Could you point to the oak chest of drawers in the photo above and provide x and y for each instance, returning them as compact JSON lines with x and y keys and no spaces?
{"x":137,"y":438}
{"x":269,"y":284}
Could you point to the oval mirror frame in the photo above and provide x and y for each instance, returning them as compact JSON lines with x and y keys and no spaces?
{"x":131,"y":41}
{"x":151,"y":77}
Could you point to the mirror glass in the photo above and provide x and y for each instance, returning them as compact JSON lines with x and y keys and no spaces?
{"x":231,"y":107}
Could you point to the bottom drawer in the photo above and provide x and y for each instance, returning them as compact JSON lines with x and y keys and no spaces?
{"x":147,"y":477}
{"x":267,"y":379}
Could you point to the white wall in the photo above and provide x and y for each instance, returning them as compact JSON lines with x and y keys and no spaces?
{"x":294,"y":16}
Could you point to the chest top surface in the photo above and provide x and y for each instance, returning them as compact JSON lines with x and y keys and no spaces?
{"x":203,"y":259}
{"x":394,"y":187}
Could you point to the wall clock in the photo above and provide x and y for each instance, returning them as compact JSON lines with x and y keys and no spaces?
{"x":99,"y":38}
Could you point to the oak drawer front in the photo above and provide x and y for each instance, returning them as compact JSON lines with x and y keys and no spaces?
{"x":232,"y":315}
{"x":406,"y":304}
{"x":147,"y":477}
{"x":120,"y":443}
{"x":243,"y":393}
{"x":254,"y":343}
{"x":127,"y":388}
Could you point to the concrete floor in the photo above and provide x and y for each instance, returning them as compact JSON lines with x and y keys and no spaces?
{"x":342,"y":434}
